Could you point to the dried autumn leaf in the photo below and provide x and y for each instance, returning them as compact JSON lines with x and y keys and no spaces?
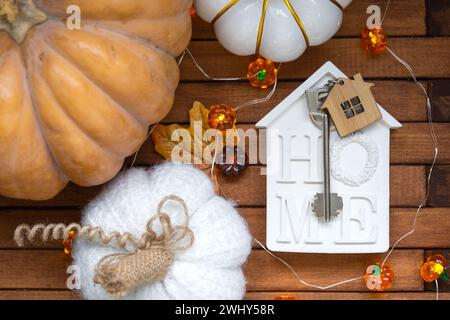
{"x":198,"y":113}
{"x":166,"y":138}
{"x":162,"y":139}
{"x":198,"y":125}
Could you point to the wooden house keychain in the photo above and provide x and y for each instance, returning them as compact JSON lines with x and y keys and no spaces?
{"x":351,"y":106}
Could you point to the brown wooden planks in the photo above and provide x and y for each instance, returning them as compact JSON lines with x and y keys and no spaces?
{"x":46,"y":269}
{"x":439,"y":16}
{"x":405,"y":17}
{"x":440,"y":99}
{"x":347,"y":54}
{"x":432,"y":230}
{"x":439,"y":187}
{"x":24,"y":294}
{"x":39,"y":269}
{"x":402,"y":99}
{"x":413,"y":192}
{"x":413,"y":143}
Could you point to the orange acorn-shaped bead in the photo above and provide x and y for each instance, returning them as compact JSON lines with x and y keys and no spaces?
{"x":262,"y":73}
{"x":374,"y":40}
{"x":379,"y":278}
{"x":434,"y":268}
{"x":286,"y":297}
{"x":193,"y":12}
{"x":221,"y":117}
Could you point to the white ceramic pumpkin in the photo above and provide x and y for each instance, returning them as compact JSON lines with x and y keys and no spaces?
{"x":278,"y":30}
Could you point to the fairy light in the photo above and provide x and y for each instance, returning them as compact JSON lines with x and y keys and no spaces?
{"x":193,"y":12}
{"x":286,"y":297}
{"x":375,"y":40}
{"x":262,"y":73}
{"x":434,"y":268}
{"x":379,"y":278}
{"x":68,"y":243}
{"x":221,"y":117}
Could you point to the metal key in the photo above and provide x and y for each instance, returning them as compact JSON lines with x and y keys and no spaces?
{"x":326,"y":204}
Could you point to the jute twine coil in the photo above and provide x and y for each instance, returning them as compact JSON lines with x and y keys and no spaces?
{"x":118,"y":273}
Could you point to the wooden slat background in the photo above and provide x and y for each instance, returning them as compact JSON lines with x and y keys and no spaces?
{"x":420,"y":33}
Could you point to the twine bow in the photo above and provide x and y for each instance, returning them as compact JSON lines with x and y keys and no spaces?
{"x":118,"y":273}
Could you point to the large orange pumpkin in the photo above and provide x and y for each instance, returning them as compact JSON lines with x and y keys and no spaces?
{"x":75,"y":103}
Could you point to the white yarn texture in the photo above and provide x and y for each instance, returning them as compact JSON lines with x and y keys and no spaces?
{"x":210,"y":269}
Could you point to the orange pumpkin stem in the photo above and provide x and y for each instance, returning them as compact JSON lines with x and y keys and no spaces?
{"x":17,"y":17}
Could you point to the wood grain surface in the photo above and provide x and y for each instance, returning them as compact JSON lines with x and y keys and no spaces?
{"x":420,"y":33}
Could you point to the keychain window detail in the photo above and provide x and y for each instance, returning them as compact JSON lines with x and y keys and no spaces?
{"x":352,"y":107}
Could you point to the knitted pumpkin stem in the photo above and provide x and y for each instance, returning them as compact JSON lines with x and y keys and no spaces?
{"x":17,"y":17}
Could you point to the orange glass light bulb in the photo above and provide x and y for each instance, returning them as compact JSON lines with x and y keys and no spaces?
{"x":221,"y":117}
{"x":67,"y":247}
{"x":72,"y":234}
{"x":379,"y":278}
{"x":434,"y":268}
{"x":286,"y":297}
{"x":262,"y":73}
{"x":68,"y":242}
{"x":374,"y":40}
{"x":193,"y":12}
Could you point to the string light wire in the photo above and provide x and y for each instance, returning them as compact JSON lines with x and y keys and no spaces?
{"x":202,"y":70}
{"x":437,"y":289}
{"x":291,"y":269}
{"x":429,"y":176}
{"x":436,"y":151}
{"x":244,"y":105}
{"x":385,"y":11}
{"x":150,"y":131}
{"x":436,"y":154}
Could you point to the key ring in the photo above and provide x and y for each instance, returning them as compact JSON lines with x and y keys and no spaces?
{"x":331,"y":83}
{"x":315,"y":115}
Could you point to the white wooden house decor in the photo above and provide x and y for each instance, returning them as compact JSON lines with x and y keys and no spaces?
{"x":359,"y":173}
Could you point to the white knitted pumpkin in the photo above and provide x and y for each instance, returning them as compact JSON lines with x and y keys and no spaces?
{"x":210,"y":269}
{"x":278,"y":30}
